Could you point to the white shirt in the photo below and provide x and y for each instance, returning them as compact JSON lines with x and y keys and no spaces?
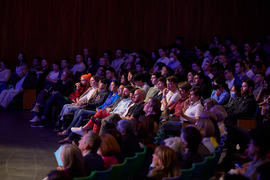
{"x":79,"y":67}
{"x":88,"y":95}
{"x":193,"y":111}
{"x":165,"y":61}
{"x":20,"y":82}
{"x":170,"y":96}
{"x":230,"y":83}
{"x":144,"y":87}
{"x":207,"y":142}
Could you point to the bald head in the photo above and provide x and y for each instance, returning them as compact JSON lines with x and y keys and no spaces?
{"x":139,"y":96}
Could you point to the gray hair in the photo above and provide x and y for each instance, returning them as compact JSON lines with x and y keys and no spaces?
{"x":127,"y":125}
{"x":220,"y":112}
{"x":177,"y":145}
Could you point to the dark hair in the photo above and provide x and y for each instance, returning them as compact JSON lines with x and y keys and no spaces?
{"x":24,"y":59}
{"x":160,"y":65}
{"x":170,"y":71}
{"x":96,"y":78}
{"x":105,"y":81}
{"x":104,"y":68}
{"x":67,"y":59}
{"x":197,"y":91}
{"x":257,"y":64}
{"x":163,"y":79}
{"x":176,"y":46}
{"x":264,"y":172}
{"x":222,"y":81}
{"x":230,"y":38}
{"x":93,"y":59}
{"x":261,"y":73}
{"x":108,"y":52}
{"x":157,"y":74}
{"x":173,"y":79}
{"x":57,"y":63}
{"x":181,"y":38}
{"x":6,"y":63}
{"x":163,"y":49}
{"x":184,"y":85}
{"x":241,"y":64}
{"x":116,"y":82}
{"x":238,"y":89}
{"x":250,"y":83}
{"x":139,"y":77}
{"x":193,"y":138}
{"x":192,"y":71}
{"x":218,"y":66}
{"x":79,"y":54}
{"x":233,"y":43}
{"x":260,"y":136}
{"x":229,"y":68}
{"x":129,"y":87}
{"x":111,"y":69}
{"x":219,"y":39}
{"x":59,"y":175}
{"x":38,"y":58}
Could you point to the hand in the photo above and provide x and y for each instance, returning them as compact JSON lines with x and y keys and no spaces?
{"x":181,"y":113}
{"x":109,"y":109}
{"x":60,"y":168}
{"x":241,"y":170}
{"x":79,"y":103}
{"x":165,"y":91}
{"x":217,"y":93}
{"x":263,"y":112}
{"x":96,"y":109}
{"x":78,"y":85}
{"x":177,"y":71}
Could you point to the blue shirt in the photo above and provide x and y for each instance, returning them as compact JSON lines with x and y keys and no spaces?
{"x":111,"y":98}
{"x":222,"y":98}
{"x":122,"y":106}
{"x":238,"y":80}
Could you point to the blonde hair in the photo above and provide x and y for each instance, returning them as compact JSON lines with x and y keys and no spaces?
{"x":207,"y":125}
{"x":72,"y":157}
{"x":170,"y":164}
{"x":177,"y":145}
{"x":109,"y":146}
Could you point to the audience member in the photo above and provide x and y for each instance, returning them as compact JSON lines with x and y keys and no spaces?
{"x":64,"y":66}
{"x":221,"y":91}
{"x":110,"y":74}
{"x":116,"y":64}
{"x":239,"y":73}
{"x":228,"y":74}
{"x":79,"y":67}
{"x":140,"y":82}
{"x":207,"y":66}
{"x":162,"y":59}
{"x":20,"y":61}
{"x":91,"y":65}
{"x":53,"y":76}
{"x":5,"y":72}
{"x":258,"y":80}
{"x":174,"y":62}
{"x":180,"y":73}
{"x":170,"y":94}
{"x":36,"y":64}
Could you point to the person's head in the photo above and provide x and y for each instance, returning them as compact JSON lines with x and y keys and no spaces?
{"x":71,"y":157}
{"x":172,"y":82}
{"x":131,"y":59}
{"x":259,"y":77}
{"x":124,"y":79}
{"x":195,"y":94}
{"x":162,"y":83}
{"x":219,"y":83}
{"x":139,"y":79}
{"x":220,"y":112}
{"x":56,"y":65}
{"x":247,"y":87}
{"x":200,"y":51}
{"x":114,"y":86}
{"x":236,"y":91}
{"x":119,"y":53}
{"x":199,"y":128}
{"x":209,"y":103}
{"x":154,"y":78}
{"x":192,"y":138}
{"x":177,"y":145}
{"x":67,"y":75}
{"x":257,"y":145}
{"x":151,"y":102}
{"x":228,"y":176}
{"x":103,"y":83}
{"x":109,"y":146}
{"x":233,"y":47}
{"x":207,"y":125}
{"x":64,"y":63}
{"x":79,"y":58}
{"x":256,"y":67}
{"x":131,"y":75}
{"x":139,"y":96}
{"x":36,"y":61}
{"x":25,"y":69}
{"x":229,"y":40}
{"x":190,"y":75}
{"x":263,"y":171}
{"x":108,"y":54}
{"x":21,"y":58}
{"x":120,"y":90}
{"x":91,"y":60}
{"x":184,"y":88}
{"x":207,"y":66}
{"x":140,"y":66}
{"x":59,"y":175}
{"x":247,"y":47}
{"x":162,"y":52}
{"x":110,"y":73}
{"x":217,"y":69}
{"x":239,"y":67}
{"x":4,"y":64}
{"x":166,"y":71}
{"x":160,"y":65}
{"x":198,"y":79}
{"x":165,"y":159}
{"x":104,"y":62}
{"x":85,"y":79}
{"x":259,"y":57}
{"x":126,"y":127}
{"x":145,"y":130}
{"x":173,"y":56}
{"x":90,"y":142}
{"x":101,"y":71}
{"x":94,"y":81}
{"x":126,"y":91}
{"x":196,"y":66}
{"x":228,"y":73}
{"x":180,"y":40}
{"x":222,"y":59}
{"x":45,"y":63}
{"x":216,"y":39}
{"x":224,"y":49}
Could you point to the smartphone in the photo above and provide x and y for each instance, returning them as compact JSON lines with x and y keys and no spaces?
{"x":238,"y":165}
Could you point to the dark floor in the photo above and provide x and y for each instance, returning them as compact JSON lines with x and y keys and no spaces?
{"x":25,"y":153}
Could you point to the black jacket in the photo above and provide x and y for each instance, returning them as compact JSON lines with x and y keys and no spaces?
{"x":99,"y":99}
{"x":28,"y":83}
{"x":93,"y":162}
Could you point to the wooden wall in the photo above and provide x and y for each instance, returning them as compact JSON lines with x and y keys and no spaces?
{"x":55,"y":29}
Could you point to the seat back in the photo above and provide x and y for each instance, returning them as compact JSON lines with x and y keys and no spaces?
{"x":186,"y":174}
{"x":198,"y":169}
{"x":100,"y":175}
{"x":212,"y":169}
{"x":140,"y":160}
{"x":128,"y":167}
{"x":208,"y":164}
{"x":157,"y":138}
{"x":247,"y":124}
{"x":116,"y":171}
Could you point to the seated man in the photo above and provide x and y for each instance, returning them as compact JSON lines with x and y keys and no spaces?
{"x":191,"y":138}
{"x":110,"y":74}
{"x":89,"y":145}
{"x":153,"y":90}
{"x":140,"y":82}
{"x":170,"y":94}
{"x":245,"y":107}
{"x":130,"y":142}
{"x":26,"y":81}
{"x":161,"y":85}
{"x":79,"y":67}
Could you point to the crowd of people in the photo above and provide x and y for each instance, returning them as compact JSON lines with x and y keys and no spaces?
{"x":112,"y":108}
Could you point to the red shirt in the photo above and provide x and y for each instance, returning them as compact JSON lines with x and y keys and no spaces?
{"x":177,"y":106}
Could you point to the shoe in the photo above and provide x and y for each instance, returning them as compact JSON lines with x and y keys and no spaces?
{"x":78,"y":130}
{"x":65,"y":141}
{"x":63,"y":134}
{"x":35,"y":119}
{"x":35,"y":110}
{"x":41,"y":123}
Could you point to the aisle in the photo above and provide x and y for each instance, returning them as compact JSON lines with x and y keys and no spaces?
{"x":25,"y":153}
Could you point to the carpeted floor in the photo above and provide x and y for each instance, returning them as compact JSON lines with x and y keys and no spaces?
{"x":25,"y":153}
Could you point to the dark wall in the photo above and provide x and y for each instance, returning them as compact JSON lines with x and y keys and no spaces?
{"x":55,"y":29}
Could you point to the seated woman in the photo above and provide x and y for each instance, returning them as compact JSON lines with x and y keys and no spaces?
{"x":20,"y":61}
{"x":42,"y":74}
{"x":52,"y":77}
{"x":5,"y":74}
{"x":91,"y":65}
{"x":221,"y":91}
{"x":72,"y":159}
{"x":64,"y":89}
{"x":166,"y":71}
{"x":108,"y":149}
{"x":165,"y":163}
{"x":235,"y":96}
{"x":264,"y":93}
{"x":177,"y":145}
